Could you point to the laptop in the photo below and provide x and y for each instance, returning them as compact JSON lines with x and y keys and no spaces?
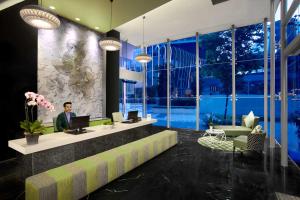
{"x":132,"y":117}
{"x":78,"y":124}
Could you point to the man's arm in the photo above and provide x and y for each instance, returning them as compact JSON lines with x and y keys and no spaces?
{"x":59,"y":123}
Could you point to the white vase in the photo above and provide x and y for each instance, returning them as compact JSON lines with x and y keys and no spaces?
{"x":211,"y":128}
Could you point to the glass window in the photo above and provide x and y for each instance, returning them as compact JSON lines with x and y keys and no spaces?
{"x":293,"y":27}
{"x":293,"y":66}
{"x":156,"y":86}
{"x":131,"y":91}
{"x":250,"y":71}
{"x":183,"y":83}
{"x":215,"y":78}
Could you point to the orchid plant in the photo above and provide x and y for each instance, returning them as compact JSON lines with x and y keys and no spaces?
{"x":31,"y":126}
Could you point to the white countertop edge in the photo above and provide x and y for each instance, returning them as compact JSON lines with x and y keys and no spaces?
{"x":58,"y":139}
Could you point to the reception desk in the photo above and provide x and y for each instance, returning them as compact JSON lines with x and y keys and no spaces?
{"x":60,"y":148}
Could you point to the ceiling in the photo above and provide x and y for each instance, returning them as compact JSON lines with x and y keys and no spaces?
{"x":181,"y":18}
{"x":173,"y":19}
{"x":7,"y":3}
{"x":96,"y":13}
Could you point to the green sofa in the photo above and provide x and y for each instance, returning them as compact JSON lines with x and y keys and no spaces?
{"x":234,"y":131}
{"x":79,"y":178}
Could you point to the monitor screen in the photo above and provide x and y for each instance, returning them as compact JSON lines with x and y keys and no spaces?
{"x":80,"y":122}
{"x":133,"y":115}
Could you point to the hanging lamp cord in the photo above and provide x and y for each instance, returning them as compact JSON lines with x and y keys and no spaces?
{"x":111,"y":1}
{"x":126,"y":48}
{"x":143,"y":33}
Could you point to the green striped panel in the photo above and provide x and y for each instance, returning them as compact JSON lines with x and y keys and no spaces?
{"x":79,"y":185}
{"x":96,"y":172}
{"x":101,"y":172}
{"x":146,"y":152}
{"x":134,"y":159}
{"x":63,"y":179}
{"x":40,"y":187}
{"x":156,"y":148}
{"x":165,"y":142}
{"x":126,"y":152}
{"x":120,"y":164}
{"x":110,"y":158}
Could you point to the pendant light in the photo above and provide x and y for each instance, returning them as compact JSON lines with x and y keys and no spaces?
{"x":39,"y":17}
{"x":110,"y":43}
{"x":143,"y":57}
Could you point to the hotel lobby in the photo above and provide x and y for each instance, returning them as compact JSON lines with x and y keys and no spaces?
{"x":150,"y":99}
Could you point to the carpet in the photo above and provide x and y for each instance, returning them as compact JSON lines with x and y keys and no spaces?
{"x":216,"y":144}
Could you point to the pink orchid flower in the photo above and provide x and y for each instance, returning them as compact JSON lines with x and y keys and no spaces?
{"x":40,"y":99}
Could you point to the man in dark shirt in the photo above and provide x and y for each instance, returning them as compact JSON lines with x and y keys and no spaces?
{"x":63,"y":120}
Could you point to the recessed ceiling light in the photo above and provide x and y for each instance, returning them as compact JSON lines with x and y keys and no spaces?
{"x":52,"y":7}
{"x":77,"y":19}
{"x":97,"y":27}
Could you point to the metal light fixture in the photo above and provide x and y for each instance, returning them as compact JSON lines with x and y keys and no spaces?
{"x":143,"y":57}
{"x":39,"y":17}
{"x":110,"y":43}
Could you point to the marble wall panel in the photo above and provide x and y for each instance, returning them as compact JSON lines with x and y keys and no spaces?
{"x":71,"y":67}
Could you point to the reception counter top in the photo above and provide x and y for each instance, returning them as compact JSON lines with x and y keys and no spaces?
{"x":58,"y":139}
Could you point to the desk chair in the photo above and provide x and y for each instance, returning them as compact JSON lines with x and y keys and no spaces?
{"x":117,"y":117}
{"x":54,"y":124}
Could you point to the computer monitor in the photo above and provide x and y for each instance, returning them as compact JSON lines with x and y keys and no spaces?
{"x":133,"y":115}
{"x":80,"y":122}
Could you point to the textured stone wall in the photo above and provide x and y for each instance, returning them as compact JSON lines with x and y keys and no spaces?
{"x":71,"y":67}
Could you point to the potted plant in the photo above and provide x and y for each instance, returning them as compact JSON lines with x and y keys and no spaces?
{"x":34,"y":128}
{"x":210,"y":122}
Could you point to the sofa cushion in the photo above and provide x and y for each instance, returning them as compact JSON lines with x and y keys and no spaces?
{"x":256,"y":121}
{"x":234,"y":130}
{"x":240,"y":142}
{"x":249,"y":120}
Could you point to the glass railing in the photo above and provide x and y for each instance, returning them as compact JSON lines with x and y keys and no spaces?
{"x":130,"y":64}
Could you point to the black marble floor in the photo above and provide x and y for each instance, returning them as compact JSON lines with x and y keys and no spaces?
{"x":189,"y":171}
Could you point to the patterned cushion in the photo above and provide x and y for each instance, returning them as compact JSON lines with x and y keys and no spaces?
{"x":257,"y":129}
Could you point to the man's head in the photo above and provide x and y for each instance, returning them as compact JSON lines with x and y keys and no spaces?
{"x":68,"y":106}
